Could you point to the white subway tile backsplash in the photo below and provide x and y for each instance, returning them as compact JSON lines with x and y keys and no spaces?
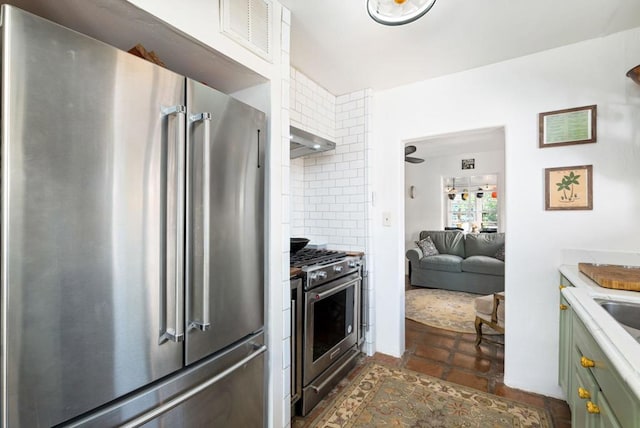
{"x":342,"y":166}
{"x":329,"y":190}
{"x":356,"y":164}
{"x":350,"y":156}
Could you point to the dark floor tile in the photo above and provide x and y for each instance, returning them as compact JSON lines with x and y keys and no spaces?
{"x":468,"y":379}
{"x":478,"y":364}
{"x":562,"y":423}
{"x":518,"y":395}
{"x":484,"y":349}
{"x":441,"y":332}
{"x":439,"y":341}
{"x":422,"y":365}
{"x":412,"y":337}
{"x":559,"y":408}
{"x":432,"y":353}
{"x":386,"y":359}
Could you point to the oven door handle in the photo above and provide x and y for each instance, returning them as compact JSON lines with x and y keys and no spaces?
{"x":335,"y":290}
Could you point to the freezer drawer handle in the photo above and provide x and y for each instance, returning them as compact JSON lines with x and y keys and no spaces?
{"x":205,"y":118}
{"x":186,"y":396}
{"x":176,"y":333}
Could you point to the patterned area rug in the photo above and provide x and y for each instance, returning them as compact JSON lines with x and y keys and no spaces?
{"x":385,"y":396}
{"x":450,"y":310}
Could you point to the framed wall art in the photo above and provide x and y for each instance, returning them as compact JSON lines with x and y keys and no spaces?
{"x":569,"y":188}
{"x":570,"y":126}
{"x":468,"y":163}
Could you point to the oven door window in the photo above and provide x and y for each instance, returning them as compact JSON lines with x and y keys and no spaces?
{"x":333,"y":320}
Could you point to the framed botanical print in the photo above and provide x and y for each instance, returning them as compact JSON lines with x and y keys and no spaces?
{"x":569,"y":188}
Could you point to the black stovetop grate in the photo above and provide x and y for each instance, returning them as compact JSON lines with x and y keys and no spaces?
{"x":309,"y":257}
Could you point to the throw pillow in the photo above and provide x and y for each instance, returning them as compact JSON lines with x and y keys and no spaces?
{"x":500,"y":254}
{"x":427,"y":246}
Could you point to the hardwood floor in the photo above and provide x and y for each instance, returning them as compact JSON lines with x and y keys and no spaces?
{"x":454,"y":357}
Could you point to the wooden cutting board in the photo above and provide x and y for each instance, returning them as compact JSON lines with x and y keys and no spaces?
{"x":613,"y":276}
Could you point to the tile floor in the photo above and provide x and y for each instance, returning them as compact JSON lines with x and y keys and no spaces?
{"x":454,"y":357}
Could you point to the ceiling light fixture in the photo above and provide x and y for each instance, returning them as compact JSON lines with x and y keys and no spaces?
{"x":634,"y":74}
{"x":398,"y":12}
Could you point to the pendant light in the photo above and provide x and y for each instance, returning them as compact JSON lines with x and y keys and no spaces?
{"x":398,"y":12}
{"x":451,"y":194}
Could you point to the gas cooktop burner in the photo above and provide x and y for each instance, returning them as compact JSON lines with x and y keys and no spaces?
{"x":309,"y":257}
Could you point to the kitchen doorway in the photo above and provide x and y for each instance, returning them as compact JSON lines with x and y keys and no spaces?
{"x":471,"y":157}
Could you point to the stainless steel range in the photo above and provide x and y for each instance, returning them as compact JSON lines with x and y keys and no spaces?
{"x":330,"y":305}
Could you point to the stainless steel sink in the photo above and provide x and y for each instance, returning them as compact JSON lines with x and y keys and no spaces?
{"x":625,"y":313}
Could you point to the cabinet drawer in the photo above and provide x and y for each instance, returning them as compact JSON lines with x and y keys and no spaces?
{"x":582,"y":381}
{"x":566,"y":340}
{"x":619,"y":399}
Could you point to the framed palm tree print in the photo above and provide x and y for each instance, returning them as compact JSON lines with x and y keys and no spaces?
{"x":569,"y":188}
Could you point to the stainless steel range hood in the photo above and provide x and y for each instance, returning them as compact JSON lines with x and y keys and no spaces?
{"x":304,"y":143}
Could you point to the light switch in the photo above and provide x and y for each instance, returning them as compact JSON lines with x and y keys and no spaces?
{"x":386,"y":219}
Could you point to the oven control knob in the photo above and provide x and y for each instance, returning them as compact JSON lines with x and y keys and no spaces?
{"x":337,"y":269}
{"x":322,"y":274}
{"x":352,"y":263}
{"x":313,"y":275}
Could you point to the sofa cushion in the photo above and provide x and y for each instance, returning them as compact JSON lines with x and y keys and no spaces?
{"x":500,"y":254}
{"x":483,"y":244}
{"x":442,"y":262}
{"x":483,"y":264}
{"x":446,"y":241}
{"x":427,"y":246}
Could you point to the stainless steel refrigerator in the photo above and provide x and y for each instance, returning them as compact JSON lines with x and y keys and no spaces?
{"x":132,"y":240}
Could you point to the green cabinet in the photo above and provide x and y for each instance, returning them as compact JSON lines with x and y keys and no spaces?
{"x":566,"y":340}
{"x":595,"y":391}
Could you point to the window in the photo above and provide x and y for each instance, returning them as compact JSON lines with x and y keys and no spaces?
{"x":472,"y":211}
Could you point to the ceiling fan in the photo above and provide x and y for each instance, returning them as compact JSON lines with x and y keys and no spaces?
{"x":407,"y":151}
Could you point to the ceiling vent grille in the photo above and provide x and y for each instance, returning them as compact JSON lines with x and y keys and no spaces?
{"x":249,"y":23}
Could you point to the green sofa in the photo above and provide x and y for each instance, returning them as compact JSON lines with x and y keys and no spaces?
{"x":465,"y":263}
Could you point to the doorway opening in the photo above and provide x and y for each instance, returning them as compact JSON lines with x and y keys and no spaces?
{"x":459,"y":187}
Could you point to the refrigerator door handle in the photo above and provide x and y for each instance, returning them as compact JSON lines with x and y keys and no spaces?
{"x":205,"y":118}
{"x":258,"y":148}
{"x":143,"y":419}
{"x":175,"y":333}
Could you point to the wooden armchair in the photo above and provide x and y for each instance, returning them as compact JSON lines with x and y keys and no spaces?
{"x":489,"y":311}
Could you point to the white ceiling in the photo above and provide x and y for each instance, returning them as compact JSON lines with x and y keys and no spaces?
{"x":471,"y":141}
{"x":336,"y":44}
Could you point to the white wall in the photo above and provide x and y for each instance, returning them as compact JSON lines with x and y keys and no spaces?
{"x":427,"y":210}
{"x":511,"y":94}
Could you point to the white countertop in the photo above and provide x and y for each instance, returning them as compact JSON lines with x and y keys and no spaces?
{"x":618,"y":345}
